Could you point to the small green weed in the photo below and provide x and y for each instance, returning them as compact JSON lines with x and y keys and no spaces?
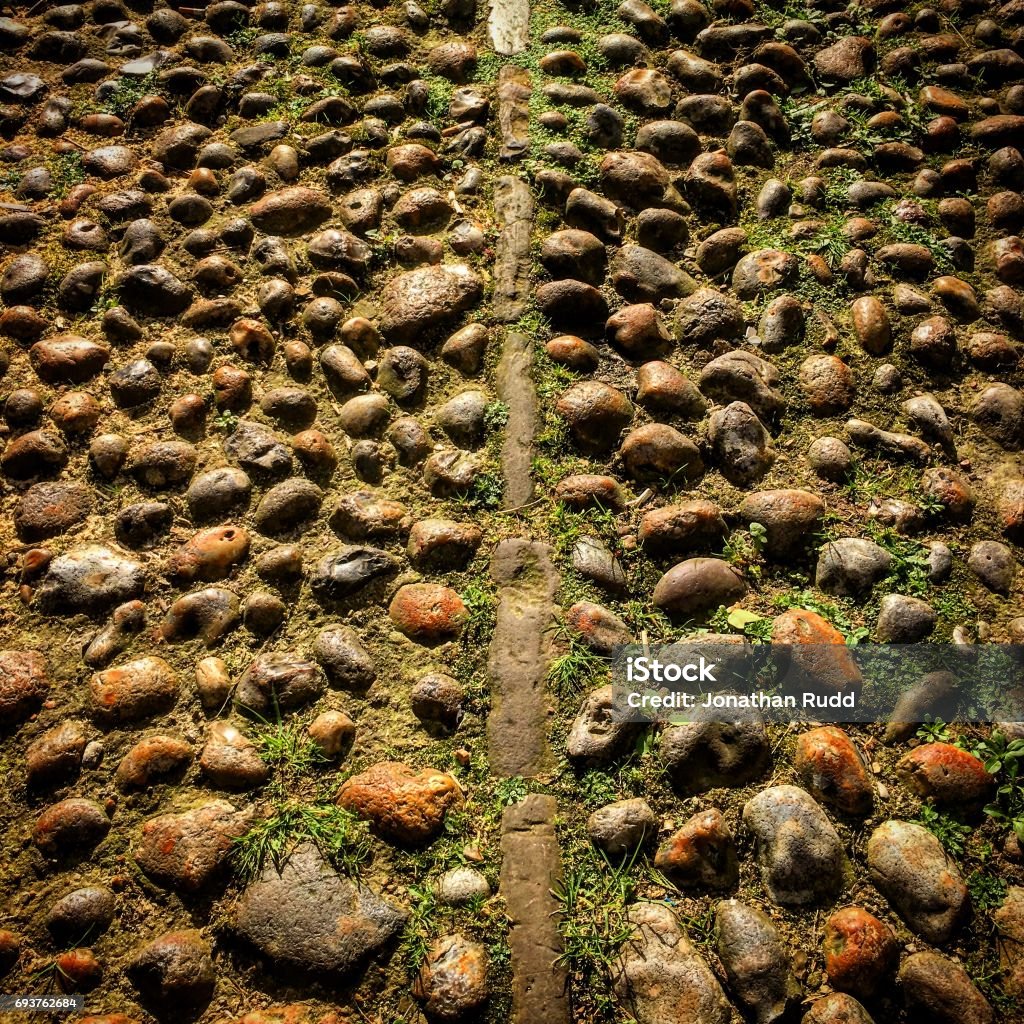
{"x":577,"y":668}
{"x":480,"y":605}
{"x":419,"y":928}
{"x":1004,"y":759}
{"x":486,"y":491}
{"x":126,"y":92}
{"x":597,"y":788}
{"x":289,"y":749}
{"x":225,"y":421}
{"x":951,"y":834}
{"x":509,"y":791}
{"x":495,"y":416}
{"x":987,"y":891}
{"x":595,"y":896}
{"x":934,"y":732}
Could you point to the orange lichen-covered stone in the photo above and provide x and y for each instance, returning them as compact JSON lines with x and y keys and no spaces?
{"x":402,"y":804}
{"x":428,"y":612}
{"x":861,"y":952}
{"x":832,"y":770}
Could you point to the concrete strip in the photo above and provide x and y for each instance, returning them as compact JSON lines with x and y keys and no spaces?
{"x":518,"y":658}
{"x":516,"y":390}
{"x":514,"y":91}
{"x":514,"y":206}
{"x":509,"y":25}
{"x":530,"y":867}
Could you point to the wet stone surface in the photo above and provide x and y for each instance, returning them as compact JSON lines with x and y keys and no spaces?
{"x":314,"y":314}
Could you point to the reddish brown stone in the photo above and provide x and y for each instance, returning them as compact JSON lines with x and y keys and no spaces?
{"x":950,"y":489}
{"x":638,"y":331}
{"x":661,"y":388}
{"x":68,"y":359}
{"x":701,"y":853}
{"x":831,"y":768}
{"x":210,"y":554}
{"x":577,"y":354}
{"x":587,"y":490}
{"x":77,"y":412}
{"x":24,"y":683}
{"x":825,"y":657}
{"x":252,"y":340}
{"x":10,"y":950}
{"x":689,"y":526}
{"x":600,"y":628}
{"x":412,"y":161}
{"x":57,"y":754}
{"x":78,"y":970}
{"x":134,"y":690}
{"x":69,"y":826}
{"x":1010,"y":504}
{"x":232,"y":388}
{"x":290,"y":211}
{"x":294,"y":1013}
{"x":442,"y":544}
{"x":401,"y":804}
{"x":152,"y":759}
{"x":861,"y":952}
{"x":315,"y":451}
{"x":186,"y":851}
{"x":949,"y":776}
{"x":428,"y":613}
{"x":789,"y":517}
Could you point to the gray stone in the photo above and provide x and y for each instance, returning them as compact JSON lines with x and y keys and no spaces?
{"x":830,"y":458}
{"x":594,"y":737}
{"x":621,"y":827}
{"x":800,"y":853}
{"x":756,"y":961}
{"x":904,"y":620}
{"x":660,"y":975}
{"x":740,"y":444}
{"x":707,"y":316}
{"x":593,"y":559}
{"x":279,"y":679}
{"x":420,"y":301}
{"x":641,"y":275}
{"x":937,"y":988}
{"x":462,"y":885}
{"x":346,"y":572}
{"x":850,"y":566}
{"x":741,"y":376}
{"x":174,"y":969}
{"x":346,"y":662}
{"x":304,"y":916}
{"x":90,"y":579}
{"x":288,"y":506}
{"x":910,"y":869}
{"x":257,"y":450}
{"x":705,"y":754}
{"x":763,"y":270}
{"x":698,"y":585}
{"x":86,"y":911}
{"x":993,"y":563}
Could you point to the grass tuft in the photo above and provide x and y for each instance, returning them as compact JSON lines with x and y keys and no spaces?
{"x":340,"y":836}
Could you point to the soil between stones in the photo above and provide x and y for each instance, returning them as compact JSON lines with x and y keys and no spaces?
{"x":258,"y":268}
